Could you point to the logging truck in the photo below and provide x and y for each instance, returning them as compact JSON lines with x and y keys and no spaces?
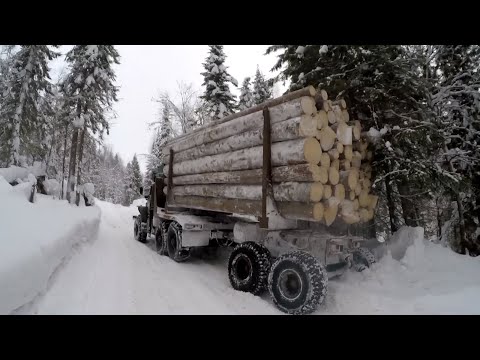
{"x":285,"y":184}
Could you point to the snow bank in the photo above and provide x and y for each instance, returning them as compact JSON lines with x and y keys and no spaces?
{"x":34,"y":241}
{"x":427,"y":278}
{"x":139,"y":202}
{"x":13,"y":173}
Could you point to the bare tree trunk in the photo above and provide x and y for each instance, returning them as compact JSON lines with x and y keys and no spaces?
{"x":80,"y":154}
{"x":390,"y":204}
{"x":73,"y":158}
{"x":64,"y":156}
{"x":72,"y":164}
{"x":408,"y":206}
{"x":439,"y":221}
{"x":459,"y":209}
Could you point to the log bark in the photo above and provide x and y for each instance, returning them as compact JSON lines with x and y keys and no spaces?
{"x":292,"y":191}
{"x":289,"y":210}
{"x":346,"y":115}
{"x":218,"y":131}
{"x":295,"y":173}
{"x":303,"y":126}
{"x":283,"y":153}
{"x":308,"y":91}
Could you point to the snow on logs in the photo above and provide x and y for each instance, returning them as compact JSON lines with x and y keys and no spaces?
{"x":320,"y":162}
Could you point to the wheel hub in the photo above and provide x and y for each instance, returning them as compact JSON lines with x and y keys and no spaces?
{"x":243,"y":267}
{"x":290,"y":284}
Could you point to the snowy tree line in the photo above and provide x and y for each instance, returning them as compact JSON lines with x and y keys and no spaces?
{"x":421,"y":106}
{"x":63,"y":124}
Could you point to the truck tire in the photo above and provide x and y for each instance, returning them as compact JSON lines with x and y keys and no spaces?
{"x":248,"y":267}
{"x":174,"y":243}
{"x":362,"y":259}
{"x":297,"y":283}
{"x":137,"y":231}
{"x":143,"y":210}
{"x":160,"y":238}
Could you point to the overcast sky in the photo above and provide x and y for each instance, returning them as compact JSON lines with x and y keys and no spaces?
{"x":145,"y":70}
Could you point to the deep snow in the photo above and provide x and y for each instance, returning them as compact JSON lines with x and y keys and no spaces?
{"x":114,"y":274}
{"x":35,"y":239}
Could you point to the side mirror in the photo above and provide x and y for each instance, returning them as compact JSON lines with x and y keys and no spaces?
{"x":141,"y":190}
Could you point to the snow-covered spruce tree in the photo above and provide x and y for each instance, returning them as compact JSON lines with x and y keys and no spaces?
{"x":384,"y":91}
{"x":262,"y":89}
{"x":90,"y":92}
{"x":136,"y":181}
{"x":219,"y":101}
{"x":163,"y":133}
{"x":456,"y":101}
{"x":246,"y":99}
{"x":26,"y":82}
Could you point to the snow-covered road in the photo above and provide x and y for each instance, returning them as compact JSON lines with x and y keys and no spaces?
{"x":114,"y":274}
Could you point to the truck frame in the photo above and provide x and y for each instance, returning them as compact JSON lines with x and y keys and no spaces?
{"x":293,"y":259}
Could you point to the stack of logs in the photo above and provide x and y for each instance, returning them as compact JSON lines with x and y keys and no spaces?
{"x":320,"y":162}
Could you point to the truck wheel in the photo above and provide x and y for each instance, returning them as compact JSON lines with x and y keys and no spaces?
{"x":160,"y":238}
{"x":174,"y":243}
{"x":137,"y":231}
{"x":362,"y":259}
{"x":297,"y":283}
{"x":248,"y":267}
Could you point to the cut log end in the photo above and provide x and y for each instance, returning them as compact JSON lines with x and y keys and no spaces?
{"x":322,"y":174}
{"x":332,"y":118}
{"x":324,"y":95}
{"x":327,"y":192}
{"x":322,"y":119}
{"x":318,"y":211}
{"x":333,"y":176}
{"x":339,"y":192}
{"x":330,"y":210}
{"x":325,"y":160}
{"x":308,"y":105}
{"x":327,"y":138}
{"x":316,"y":192}
{"x":312,"y":150}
